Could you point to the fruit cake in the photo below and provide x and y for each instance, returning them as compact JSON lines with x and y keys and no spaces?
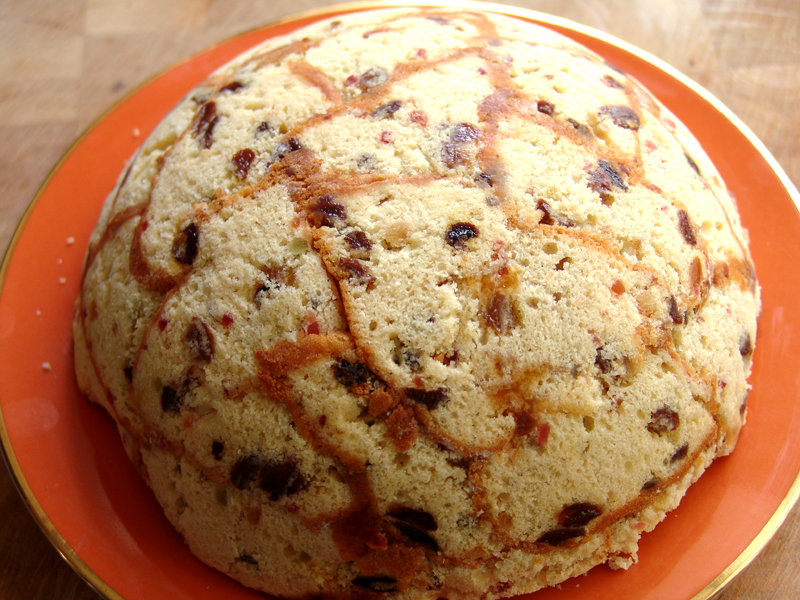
{"x":418,"y":304}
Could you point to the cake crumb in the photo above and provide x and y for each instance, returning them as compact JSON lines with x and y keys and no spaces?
{"x":46,"y":366}
{"x":70,"y":241}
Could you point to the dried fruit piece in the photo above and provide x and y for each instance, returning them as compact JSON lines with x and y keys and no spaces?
{"x":185,"y":245}
{"x":247,"y":559}
{"x":674,"y":312}
{"x":326,"y":212}
{"x":205,"y":121}
{"x":545,"y":107}
{"x":242,"y":161}
{"x":285,"y":148}
{"x":245,"y":471}
{"x":429,"y":398}
{"x":745,"y":345}
{"x":680,"y":453}
{"x":356,"y":271}
{"x":603,"y":363}
{"x":372,"y":78}
{"x":417,"y":535}
{"x":376,"y":583}
{"x":685,"y":227}
{"x":621,"y":115}
{"x":578,"y":515}
{"x":605,"y":178}
{"x":217,"y":449}
{"x":281,"y":479}
{"x":556,"y":537}
{"x":415,"y":517}
{"x":453,"y":155}
{"x":500,"y":314}
{"x":550,"y":217}
{"x":358,"y":240}
{"x":465,"y":132}
{"x":233,"y":86}
{"x":580,"y":127}
{"x":384,"y":111}
{"x":692,"y":163}
{"x":171,"y":401}
{"x":200,"y":340}
{"x":459,"y":233}
{"x":523,"y":424}
{"x":349,"y":373}
{"x":663,"y":420}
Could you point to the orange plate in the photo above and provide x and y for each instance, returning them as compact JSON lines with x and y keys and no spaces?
{"x":69,"y":463}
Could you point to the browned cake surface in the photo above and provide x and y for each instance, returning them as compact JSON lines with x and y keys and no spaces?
{"x":420,"y":304}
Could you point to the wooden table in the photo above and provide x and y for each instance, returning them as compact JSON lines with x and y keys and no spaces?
{"x":63,"y":62}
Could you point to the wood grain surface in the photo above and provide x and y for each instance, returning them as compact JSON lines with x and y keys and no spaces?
{"x":62,"y":63}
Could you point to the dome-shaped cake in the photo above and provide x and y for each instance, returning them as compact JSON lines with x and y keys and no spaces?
{"x":418,"y":304}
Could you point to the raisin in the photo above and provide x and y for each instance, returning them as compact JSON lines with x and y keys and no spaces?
{"x":233,"y":86}
{"x":376,"y":583}
{"x":281,"y":479}
{"x":523,"y":424}
{"x":384,"y":111}
{"x":349,"y":374}
{"x":580,"y":127}
{"x":691,"y":162}
{"x":500,"y":314}
{"x":356,"y":271}
{"x":605,"y":178}
{"x":285,"y":147}
{"x":411,"y":360}
{"x":604,"y":364}
{"x":206,"y":121}
{"x":200,"y":340}
{"x":217,"y":448}
{"x":372,"y":78}
{"x":242,"y":161}
{"x":459,"y":233}
{"x":246,"y":471}
{"x":578,"y":515}
{"x":462,"y":462}
{"x":680,"y":453}
{"x":650,"y":484}
{"x":358,"y":240}
{"x":417,"y":535}
{"x":430,"y":398}
{"x":674,"y":312}
{"x":545,"y":107}
{"x":184,"y":247}
{"x":622,"y":116}
{"x":685,"y":227}
{"x":663,"y":420}
{"x":264,"y":126}
{"x":453,"y":155}
{"x":556,"y":537}
{"x":417,"y":518}
{"x":486,"y":178}
{"x":465,"y":132}
{"x":170,"y":399}
{"x":612,"y":83}
{"x":326,"y":212}
{"x":745,"y":345}
{"x":247,"y":559}
{"x":550,"y":218}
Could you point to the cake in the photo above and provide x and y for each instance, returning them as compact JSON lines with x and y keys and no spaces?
{"x":418,"y":304}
